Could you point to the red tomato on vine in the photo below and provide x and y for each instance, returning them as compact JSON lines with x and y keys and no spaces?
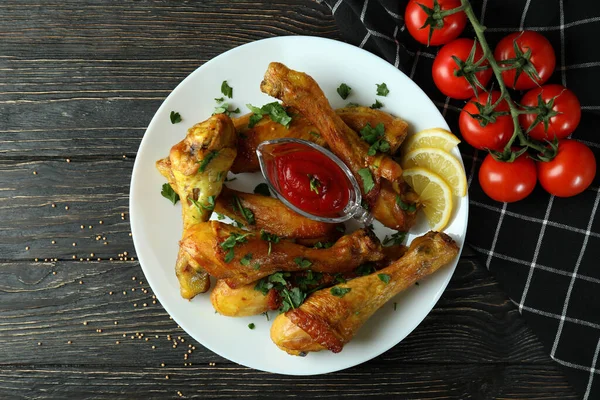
{"x":508,"y":181}
{"x":484,"y":126}
{"x":426,"y":29}
{"x":456,"y":79}
{"x":532,"y":56}
{"x":558,"y":116}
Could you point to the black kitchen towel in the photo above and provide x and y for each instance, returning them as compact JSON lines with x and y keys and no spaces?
{"x":544,"y":250}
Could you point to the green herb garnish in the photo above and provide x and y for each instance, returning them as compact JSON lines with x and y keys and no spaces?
{"x":263,"y":189}
{"x":231,"y":242}
{"x":376,"y":105}
{"x":339,"y":292}
{"x":384,"y":278}
{"x":220,"y":99}
{"x":374,"y":136}
{"x":395,"y":239}
{"x":251,"y":325}
{"x":269,"y":237}
{"x":291,"y":299}
{"x":315,"y":184}
{"x":226,"y":89}
{"x":315,"y":134}
{"x":302,"y":262}
{"x":382,"y":90}
{"x":246,"y":212}
{"x":246,"y":259}
{"x":405,"y":206}
{"x":344,"y":91}
{"x":168,"y":193}
{"x":365,"y":269}
{"x":175,"y":117}
{"x":323,"y":245}
{"x":210,"y":206}
{"x":367,"y":178}
{"x":351,"y":105}
{"x":224,"y":109}
{"x":207,"y":159}
{"x":274,"y":110}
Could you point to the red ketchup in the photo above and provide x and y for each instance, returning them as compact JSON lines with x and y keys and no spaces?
{"x":309,"y":180}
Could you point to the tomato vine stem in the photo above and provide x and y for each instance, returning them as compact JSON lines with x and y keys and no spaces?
{"x":514,"y":110}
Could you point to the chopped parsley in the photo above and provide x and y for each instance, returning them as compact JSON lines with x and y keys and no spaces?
{"x":350,"y":105}
{"x":274,"y":110}
{"x":367,"y":178}
{"x":225,"y":109}
{"x":220,"y":99}
{"x":220,"y":216}
{"x":302,"y":262}
{"x":395,"y":239}
{"x":291,"y":299}
{"x":339,"y":292}
{"x":175,"y":117}
{"x":231,"y":242}
{"x":207,"y":159}
{"x":374,"y":136}
{"x":246,"y":212}
{"x":315,"y":184}
{"x":315,"y":134}
{"x":251,"y":325}
{"x":376,"y":105}
{"x":365,"y":269}
{"x":269,"y":237}
{"x":382,"y":90}
{"x":210,"y":206}
{"x":323,"y":245}
{"x":246,"y":259}
{"x":226,"y":89}
{"x":405,"y":206}
{"x":262,"y":189}
{"x":344,"y":91}
{"x":168,"y":193}
{"x":339,"y":278}
{"x":384,"y":278}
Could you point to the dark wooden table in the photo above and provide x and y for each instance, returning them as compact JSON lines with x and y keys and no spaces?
{"x":79,"y":82}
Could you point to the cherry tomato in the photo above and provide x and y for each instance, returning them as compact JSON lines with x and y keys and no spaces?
{"x":542,"y":58}
{"x":565,"y":104}
{"x":507,"y":181}
{"x":484,"y":133}
{"x":447,"y":74}
{"x":570,"y":172}
{"x":415,"y":18}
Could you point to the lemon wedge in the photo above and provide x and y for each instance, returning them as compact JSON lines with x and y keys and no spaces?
{"x":440,"y":163}
{"x":436,"y":138}
{"x":434,"y":195}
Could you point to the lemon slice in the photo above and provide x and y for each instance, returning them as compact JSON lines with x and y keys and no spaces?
{"x":434,"y":195}
{"x":436,"y":138}
{"x":441,"y":163}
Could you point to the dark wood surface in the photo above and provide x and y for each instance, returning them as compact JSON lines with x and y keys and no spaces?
{"x":79,"y":82}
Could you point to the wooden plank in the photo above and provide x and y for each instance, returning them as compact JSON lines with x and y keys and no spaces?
{"x":222,"y":381}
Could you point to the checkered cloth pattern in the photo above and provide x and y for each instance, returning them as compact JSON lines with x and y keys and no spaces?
{"x":544,"y":250}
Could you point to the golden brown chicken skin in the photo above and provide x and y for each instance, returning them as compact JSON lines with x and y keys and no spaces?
{"x":329,"y":318}
{"x":271,"y":215}
{"x":300,"y":91}
{"x":205,"y":244}
{"x":300,"y":128}
{"x":195,"y":169}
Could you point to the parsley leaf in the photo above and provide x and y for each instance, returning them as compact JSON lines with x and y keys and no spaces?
{"x":210,"y":206}
{"x":374,"y":136}
{"x":315,"y":134}
{"x":175,"y":117}
{"x":352,"y":105}
{"x":405,"y":206}
{"x":364,"y":269}
{"x":367,"y":179}
{"x":224,"y":109}
{"x":321,"y":245}
{"x":344,"y":91}
{"x":251,"y":325}
{"x":219,"y":99}
{"x":339,"y":278}
{"x":339,"y":292}
{"x":207,"y":159}
{"x":269,"y":237}
{"x":395,"y":239}
{"x":376,"y":105}
{"x":263,"y":189}
{"x":274,"y":110}
{"x":246,"y":259}
{"x":246,"y":212}
{"x":226,"y":89}
{"x":382,"y":90}
{"x":291,"y":299}
{"x":302,"y":262}
{"x":168,"y":193}
{"x":220,"y":216}
{"x":231,"y":242}
{"x":315,"y":184}
{"x":384,"y":278}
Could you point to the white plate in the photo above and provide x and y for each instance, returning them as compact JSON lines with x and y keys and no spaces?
{"x":156,"y":223}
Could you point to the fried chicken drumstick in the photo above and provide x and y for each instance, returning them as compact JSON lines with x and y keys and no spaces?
{"x":329,"y":318}
{"x":195,"y":169}
{"x":298,"y":90}
{"x":211,"y":244}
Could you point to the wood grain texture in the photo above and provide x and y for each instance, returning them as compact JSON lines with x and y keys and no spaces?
{"x":80,"y":80}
